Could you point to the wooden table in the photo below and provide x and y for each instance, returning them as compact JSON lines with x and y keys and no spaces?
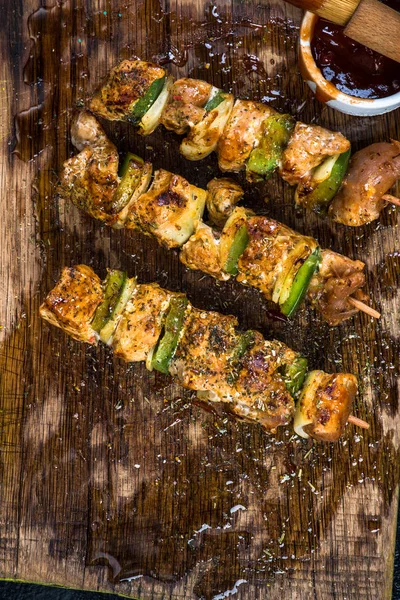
{"x":110,"y":472}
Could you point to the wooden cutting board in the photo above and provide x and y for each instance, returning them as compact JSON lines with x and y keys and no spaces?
{"x":109,"y":472}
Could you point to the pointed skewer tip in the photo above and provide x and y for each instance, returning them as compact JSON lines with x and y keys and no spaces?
{"x":391,"y":199}
{"x":365,"y":308}
{"x":358,"y":422}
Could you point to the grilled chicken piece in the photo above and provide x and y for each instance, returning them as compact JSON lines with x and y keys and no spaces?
{"x":185,"y":106}
{"x":241,"y":134}
{"x":325,"y":405}
{"x":170,"y":208}
{"x":338,"y":278}
{"x":372,"y":172}
{"x":141,"y":322}
{"x":222,"y":196}
{"x":90,"y":178}
{"x":307,"y":148}
{"x":202,"y":252}
{"x":204,"y":353}
{"x":262,"y":394}
{"x":72,"y":303}
{"x":249,"y":385}
{"x":87,"y":131}
{"x":266,"y":253}
{"x":126,"y":83}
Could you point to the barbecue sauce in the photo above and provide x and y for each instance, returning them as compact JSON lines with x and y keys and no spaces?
{"x":351,"y":67}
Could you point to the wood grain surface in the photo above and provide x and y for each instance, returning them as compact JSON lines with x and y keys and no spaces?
{"x":110,"y":472}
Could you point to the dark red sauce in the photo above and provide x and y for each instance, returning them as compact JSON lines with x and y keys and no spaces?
{"x":351,"y":67}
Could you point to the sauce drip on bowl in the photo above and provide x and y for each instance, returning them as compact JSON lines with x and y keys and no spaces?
{"x":351,"y":67}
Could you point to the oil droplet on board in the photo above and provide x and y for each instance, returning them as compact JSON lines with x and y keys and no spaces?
{"x":374,"y":524}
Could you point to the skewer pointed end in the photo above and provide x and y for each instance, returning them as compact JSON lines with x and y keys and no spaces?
{"x":358,"y":422}
{"x":365,"y":308}
{"x":391,"y":199}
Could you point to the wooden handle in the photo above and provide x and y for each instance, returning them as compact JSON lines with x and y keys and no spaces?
{"x":337,"y":11}
{"x":376,"y":26}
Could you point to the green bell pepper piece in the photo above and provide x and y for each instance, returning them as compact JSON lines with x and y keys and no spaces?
{"x":294,"y":374}
{"x":167,"y":345}
{"x":145,"y":102}
{"x":127,"y":290}
{"x":264,"y":159}
{"x":301,"y":283}
{"x":126,"y":164}
{"x":113,"y":287}
{"x":260,"y":163}
{"x":236,"y":250}
{"x":321,"y":195}
{"x":130,"y":172}
{"x":214,"y":101}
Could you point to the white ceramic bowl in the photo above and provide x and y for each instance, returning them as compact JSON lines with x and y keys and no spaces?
{"x":326,"y":91}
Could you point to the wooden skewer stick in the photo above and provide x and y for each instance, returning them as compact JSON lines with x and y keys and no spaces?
{"x":358,"y":422}
{"x":391,"y":199}
{"x":365,"y":308}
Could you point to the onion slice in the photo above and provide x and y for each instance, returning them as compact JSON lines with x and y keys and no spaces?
{"x":203,"y":137}
{"x":324,"y":170}
{"x":151,"y":119}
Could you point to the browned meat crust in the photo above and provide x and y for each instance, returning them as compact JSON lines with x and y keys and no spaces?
{"x":338,"y":278}
{"x":71,"y":304}
{"x":331,"y":406}
{"x":141,"y":322}
{"x":125,"y":84}
{"x":202,"y":359}
{"x":202,"y":251}
{"x":185,"y":106}
{"x":263,"y":396}
{"x":241,"y":134}
{"x":307,"y":148}
{"x":372,"y":172}
{"x":222,"y":196}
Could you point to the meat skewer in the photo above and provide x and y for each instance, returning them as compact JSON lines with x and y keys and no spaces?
{"x":260,"y":252}
{"x":252,"y":137}
{"x":254,"y":379}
